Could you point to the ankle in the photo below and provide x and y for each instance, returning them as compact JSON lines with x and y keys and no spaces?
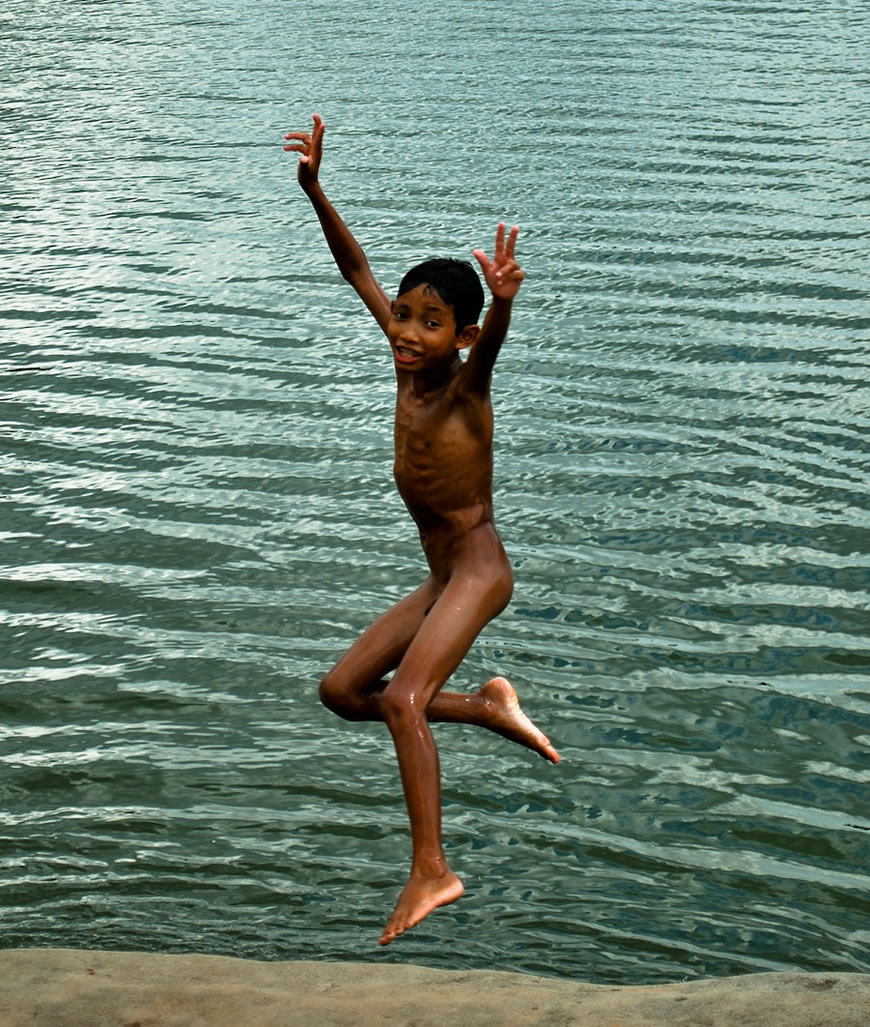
{"x":430,"y":866}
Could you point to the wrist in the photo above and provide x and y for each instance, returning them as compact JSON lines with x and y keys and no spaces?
{"x":311,"y":188}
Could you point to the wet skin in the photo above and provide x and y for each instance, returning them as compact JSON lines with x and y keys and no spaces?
{"x":443,"y":471}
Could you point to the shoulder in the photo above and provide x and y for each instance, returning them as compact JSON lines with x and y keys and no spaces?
{"x":473,"y":403}
{"x":469,"y":390}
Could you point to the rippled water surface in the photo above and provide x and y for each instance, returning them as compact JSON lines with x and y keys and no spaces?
{"x":198,"y":515}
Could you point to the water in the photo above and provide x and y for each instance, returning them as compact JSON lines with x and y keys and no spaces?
{"x":198,"y":516}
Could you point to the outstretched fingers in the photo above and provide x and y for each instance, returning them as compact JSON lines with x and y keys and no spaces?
{"x":303,"y":137}
{"x":307,"y":144}
{"x":483,"y":260}
{"x":502,"y":273}
{"x":512,"y":240}
{"x":504,"y":249}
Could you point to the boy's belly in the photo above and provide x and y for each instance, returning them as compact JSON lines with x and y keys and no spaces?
{"x":434,"y":491}
{"x":445,"y":507}
{"x":449,"y":494}
{"x":446,"y":535}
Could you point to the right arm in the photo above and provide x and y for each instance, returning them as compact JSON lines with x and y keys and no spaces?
{"x":504,"y":276}
{"x":346,"y":251}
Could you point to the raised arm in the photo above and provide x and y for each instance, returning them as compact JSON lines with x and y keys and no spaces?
{"x":503,"y":276}
{"x":346,"y":251}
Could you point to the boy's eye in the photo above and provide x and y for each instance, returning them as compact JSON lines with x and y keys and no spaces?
{"x":433,"y":324}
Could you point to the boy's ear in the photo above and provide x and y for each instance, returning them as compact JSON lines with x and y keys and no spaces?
{"x":467,"y":337}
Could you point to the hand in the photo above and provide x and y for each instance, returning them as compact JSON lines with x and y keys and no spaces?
{"x":310,"y":149}
{"x":502,"y":274}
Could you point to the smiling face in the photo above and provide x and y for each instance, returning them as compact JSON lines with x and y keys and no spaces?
{"x":422,"y":331}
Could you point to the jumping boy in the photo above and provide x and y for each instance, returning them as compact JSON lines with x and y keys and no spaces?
{"x":443,"y":471}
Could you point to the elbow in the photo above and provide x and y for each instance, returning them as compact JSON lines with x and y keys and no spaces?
{"x":353,"y":273}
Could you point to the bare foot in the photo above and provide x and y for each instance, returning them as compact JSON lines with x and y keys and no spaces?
{"x":419,"y":897}
{"x":510,"y":722}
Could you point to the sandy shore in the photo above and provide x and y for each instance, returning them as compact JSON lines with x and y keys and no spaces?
{"x":80,"y":988}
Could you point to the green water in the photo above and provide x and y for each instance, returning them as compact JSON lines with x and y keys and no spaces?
{"x":197,"y":512}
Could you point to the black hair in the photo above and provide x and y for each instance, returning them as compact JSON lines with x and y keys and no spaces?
{"x":454,"y":281}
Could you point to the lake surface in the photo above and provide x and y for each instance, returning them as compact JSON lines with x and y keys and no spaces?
{"x":198,"y":514}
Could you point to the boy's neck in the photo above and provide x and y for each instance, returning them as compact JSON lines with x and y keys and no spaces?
{"x":435,"y":379}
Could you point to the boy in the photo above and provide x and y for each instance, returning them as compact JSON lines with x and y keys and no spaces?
{"x":443,"y":470}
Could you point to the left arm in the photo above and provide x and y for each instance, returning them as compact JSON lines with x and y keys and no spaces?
{"x":504,"y":276}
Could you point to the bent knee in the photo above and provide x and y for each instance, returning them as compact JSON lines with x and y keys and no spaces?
{"x":337,"y":698}
{"x":505,"y":587}
{"x":500,"y":590}
{"x":399,"y":707}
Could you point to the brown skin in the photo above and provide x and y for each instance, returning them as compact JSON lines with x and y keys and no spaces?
{"x":443,"y":471}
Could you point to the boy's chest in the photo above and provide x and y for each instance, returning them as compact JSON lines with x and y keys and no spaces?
{"x":440,"y":438}
{"x":440,"y":426}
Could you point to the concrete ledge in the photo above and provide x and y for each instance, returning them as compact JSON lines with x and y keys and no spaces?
{"x":82,"y":988}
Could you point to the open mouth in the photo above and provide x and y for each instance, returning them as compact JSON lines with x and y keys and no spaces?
{"x":405,"y":355}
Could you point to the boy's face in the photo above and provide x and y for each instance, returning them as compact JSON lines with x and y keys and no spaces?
{"x":422,"y":330}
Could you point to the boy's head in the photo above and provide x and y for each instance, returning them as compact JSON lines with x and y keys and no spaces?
{"x":453,"y":281}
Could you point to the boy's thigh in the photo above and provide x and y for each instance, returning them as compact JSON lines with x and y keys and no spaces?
{"x":380,"y":648}
{"x":462,"y":610}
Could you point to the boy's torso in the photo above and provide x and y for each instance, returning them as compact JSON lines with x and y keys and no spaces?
{"x":443,"y":461}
